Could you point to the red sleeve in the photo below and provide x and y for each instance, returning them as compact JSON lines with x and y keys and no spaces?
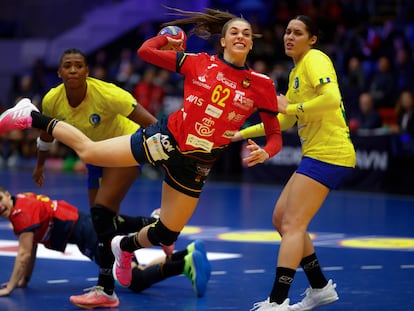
{"x":25,"y":215}
{"x":273,"y":134}
{"x":151,"y":53}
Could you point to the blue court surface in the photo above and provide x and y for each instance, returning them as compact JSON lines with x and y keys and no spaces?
{"x":365,"y":242}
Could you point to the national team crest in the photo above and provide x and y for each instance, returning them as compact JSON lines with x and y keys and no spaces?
{"x":296,"y":83}
{"x":94,"y":119}
{"x":246,"y":83}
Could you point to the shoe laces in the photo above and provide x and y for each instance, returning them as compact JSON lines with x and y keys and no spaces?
{"x":125,"y":260}
{"x":94,"y":290}
{"x":310,"y":293}
{"x":23,"y":122}
{"x":189,"y":271}
{"x":260,"y":304}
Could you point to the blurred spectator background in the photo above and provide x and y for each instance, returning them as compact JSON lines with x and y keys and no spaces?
{"x":371,"y":44}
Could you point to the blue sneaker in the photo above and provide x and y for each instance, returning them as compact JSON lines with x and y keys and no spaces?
{"x":197,"y":270}
{"x":196,"y":245}
{"x":199,"y":246}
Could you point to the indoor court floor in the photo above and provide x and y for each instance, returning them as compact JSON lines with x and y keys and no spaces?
{"x":365,"y":242}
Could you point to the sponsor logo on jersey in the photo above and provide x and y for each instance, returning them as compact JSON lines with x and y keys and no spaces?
{"x":220,"y":77}
{"x":235,"y":117}
{"x":201,"y":83}
{"x":198,"y":142}
{"x":240,"y":100}
{"x":205,"y":129}
{"x":195,"y":100}
{"x":229,"y":134}
{"x":214,"y":111}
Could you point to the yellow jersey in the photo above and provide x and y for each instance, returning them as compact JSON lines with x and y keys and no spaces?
{"x":102,"y":113}
{"x":321,"y":120}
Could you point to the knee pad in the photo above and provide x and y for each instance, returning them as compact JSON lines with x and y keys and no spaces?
{"x":159,"y":234}
{"x":104,"y":221}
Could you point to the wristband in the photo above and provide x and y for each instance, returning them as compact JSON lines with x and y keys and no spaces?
{"x":43,"y":145}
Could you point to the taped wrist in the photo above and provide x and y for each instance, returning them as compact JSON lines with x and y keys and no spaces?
{"x":44,"y":145}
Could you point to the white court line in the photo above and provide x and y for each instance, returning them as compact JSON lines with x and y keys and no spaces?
{"x":254,"y":271}
{"x":58,"y":281}
{"x":378,"y":267}
{"x":144,"y":255}
{"x":338,"y":268}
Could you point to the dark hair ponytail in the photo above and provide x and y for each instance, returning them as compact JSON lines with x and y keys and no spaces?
{"x":311,"y":26}
{"x":206,"y":24}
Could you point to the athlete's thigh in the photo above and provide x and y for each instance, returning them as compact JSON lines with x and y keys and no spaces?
{"x":115,"y":184}
{"x":281,"y":203}
{"x":176,"y":208}
{"x":304,"y":199}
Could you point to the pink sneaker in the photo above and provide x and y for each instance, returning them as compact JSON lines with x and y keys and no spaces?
{"x":18,"y":117}
{"x":95,"y":298}
{"x":168,"y":250}
{"x":122,"y":269}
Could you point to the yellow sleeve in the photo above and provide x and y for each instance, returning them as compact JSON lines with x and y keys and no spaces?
{"x":286,"y":121}
{"x":329,"y":98}
{"x":258,"y":130}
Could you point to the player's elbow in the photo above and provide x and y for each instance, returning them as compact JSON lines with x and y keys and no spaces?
{"x":144,"y":53}
{"x":333,"y":97}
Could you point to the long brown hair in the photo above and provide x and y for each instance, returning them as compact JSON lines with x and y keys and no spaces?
{"x":206,"y":24}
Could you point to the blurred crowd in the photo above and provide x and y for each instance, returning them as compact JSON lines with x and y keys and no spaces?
{"x":373,"y":53}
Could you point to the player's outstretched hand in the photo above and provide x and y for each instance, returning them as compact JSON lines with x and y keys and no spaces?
{"x":257,"y":154}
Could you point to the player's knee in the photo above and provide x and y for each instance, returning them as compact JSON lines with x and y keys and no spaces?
{"x":160,"y":234}
{"x":84,"y":151}
{"x":104,"y":220}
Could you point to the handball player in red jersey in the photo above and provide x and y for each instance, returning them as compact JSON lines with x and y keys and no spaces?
{"x":39,"y":219}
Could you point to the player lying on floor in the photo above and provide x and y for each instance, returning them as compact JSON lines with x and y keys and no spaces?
{"x":39,"y":219}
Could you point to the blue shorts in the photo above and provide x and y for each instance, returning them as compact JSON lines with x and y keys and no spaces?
{"x":84,"y":236}
{"x":330,"y":175}
{"x":184,"y":171}
{"x":94,"y":176}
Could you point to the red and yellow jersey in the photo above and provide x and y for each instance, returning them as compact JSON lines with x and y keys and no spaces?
{"x":45,"y":217}
{"x":218,"y":98}
{"x":102,"y":113}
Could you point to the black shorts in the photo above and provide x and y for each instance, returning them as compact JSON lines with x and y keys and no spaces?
{"x":184,"y":171}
